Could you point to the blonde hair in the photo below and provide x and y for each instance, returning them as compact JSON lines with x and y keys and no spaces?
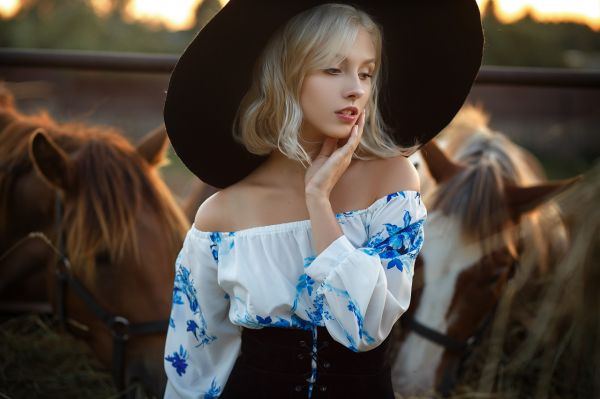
{"x":270,"y":116}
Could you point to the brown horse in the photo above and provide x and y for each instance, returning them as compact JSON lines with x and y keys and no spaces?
{"x":26,"y":205}
{"x":486,"y":214}
{"x":100,"y":203}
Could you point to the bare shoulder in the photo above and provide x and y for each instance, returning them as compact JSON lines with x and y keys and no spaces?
{"x":394,"y":174}
{"x":217,"y":212}
{"x":212,"y":212}
{"x":221,"y":211}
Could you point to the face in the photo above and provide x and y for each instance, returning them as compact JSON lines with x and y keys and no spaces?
{"x":332,"y":98}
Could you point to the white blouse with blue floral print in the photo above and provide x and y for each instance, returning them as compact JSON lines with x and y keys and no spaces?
{"x":268,"y":276}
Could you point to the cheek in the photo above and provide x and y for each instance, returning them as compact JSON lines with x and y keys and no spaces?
{"x":368,"y":94}
{"x":312,"y":102}
{"x":312,"y":93}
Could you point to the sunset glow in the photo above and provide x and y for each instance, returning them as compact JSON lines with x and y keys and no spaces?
{"x":8,"y":8}
{"x":175,"y":14}
{"x":580,"y":11}
{"x":179,"y":14}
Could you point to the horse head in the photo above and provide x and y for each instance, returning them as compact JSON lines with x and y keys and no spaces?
{"x":95,"y":203}
{"x":120,"y":230}
{"x":488,"y":209}
{"x":26,"y":205}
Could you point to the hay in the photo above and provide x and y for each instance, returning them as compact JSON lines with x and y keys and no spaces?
{"x":545,"y":339}
{"x":38,"y":361}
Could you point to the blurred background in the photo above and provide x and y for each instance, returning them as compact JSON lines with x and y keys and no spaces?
{"x":558,"y":124}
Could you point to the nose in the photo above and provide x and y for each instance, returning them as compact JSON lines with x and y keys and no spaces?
{"x":354,"y":89}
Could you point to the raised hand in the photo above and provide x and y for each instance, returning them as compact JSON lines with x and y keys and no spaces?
{"x":331,"y":163}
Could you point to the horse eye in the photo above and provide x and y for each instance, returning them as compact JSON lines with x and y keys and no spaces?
{"x":103,"y":257}
{"x":493,"y":278}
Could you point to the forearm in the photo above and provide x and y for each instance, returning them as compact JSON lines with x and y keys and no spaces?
{"x":325,"y":228}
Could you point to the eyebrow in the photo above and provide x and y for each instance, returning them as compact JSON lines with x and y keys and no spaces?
{"x":369,"y":61}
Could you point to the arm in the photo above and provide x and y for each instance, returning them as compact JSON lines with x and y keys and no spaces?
{"x":202,"y":344}
{"x":322,"y":175}
{"x":361,"y":292}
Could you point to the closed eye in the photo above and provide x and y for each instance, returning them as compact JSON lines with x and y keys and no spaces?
{"x":332,"y":71}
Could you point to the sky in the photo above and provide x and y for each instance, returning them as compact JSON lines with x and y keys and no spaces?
{"x":178,"y":14}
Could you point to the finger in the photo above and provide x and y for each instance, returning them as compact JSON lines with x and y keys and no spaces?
{"x":358,"y":130}
{"x":361,"y":122}
{"x":348,"y":148}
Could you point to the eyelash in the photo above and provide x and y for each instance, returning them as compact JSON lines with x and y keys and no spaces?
{"x":335,"y":71}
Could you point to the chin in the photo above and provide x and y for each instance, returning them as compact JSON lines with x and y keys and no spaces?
{"x":340,"y":135}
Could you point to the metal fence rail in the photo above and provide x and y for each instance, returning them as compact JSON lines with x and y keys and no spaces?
{"x":164,"y":63}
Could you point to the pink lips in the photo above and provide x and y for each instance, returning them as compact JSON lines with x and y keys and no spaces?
{"x":347,"y":114}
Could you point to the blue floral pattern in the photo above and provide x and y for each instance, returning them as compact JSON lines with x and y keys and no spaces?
{"x":213,"y":392}
{"x":391,"y":196}
{"x":399,"y":245}
{"x":353,"y":308}
{"x":185,"y":286}
{"x":179,"y":360}
{"x":216,"y":239}
{"x":308,"y":292}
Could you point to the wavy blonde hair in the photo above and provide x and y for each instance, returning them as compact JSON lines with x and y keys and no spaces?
{"x":270,"y":116}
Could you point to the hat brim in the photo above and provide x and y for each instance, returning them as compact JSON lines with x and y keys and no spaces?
{"x":432,"y":54}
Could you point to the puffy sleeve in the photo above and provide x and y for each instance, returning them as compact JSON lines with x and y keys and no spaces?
{"x":361,"y":292}
{"x":202,"y":345}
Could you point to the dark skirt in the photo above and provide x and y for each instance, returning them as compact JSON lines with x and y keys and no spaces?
{"x":276,"y":363}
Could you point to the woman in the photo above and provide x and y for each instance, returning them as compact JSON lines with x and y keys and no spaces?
{"x":293,"y":275}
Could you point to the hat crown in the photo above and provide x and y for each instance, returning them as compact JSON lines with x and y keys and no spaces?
{"x":432,"y":52}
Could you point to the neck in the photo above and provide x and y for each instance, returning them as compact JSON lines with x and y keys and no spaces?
{"x":284,"y":172}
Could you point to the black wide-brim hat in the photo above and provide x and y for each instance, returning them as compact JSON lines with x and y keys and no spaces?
{"x":432,"y":53}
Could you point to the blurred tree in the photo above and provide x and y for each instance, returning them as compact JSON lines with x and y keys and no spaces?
{"x":73,"y":24}
{"x":527,"y":42}
{"x":205,"y":11}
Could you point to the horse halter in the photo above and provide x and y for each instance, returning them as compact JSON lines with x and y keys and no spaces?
{"x":122,"y":330}
{"x":462,"y":347}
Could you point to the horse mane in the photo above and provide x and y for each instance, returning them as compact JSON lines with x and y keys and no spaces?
{"x":468,"y":121}
{"x":15,"y":130}
{"x":111,"y":184}
{"x":476,"y":195}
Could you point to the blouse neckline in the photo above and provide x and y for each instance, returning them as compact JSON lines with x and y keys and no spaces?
{"x":297,"y":224}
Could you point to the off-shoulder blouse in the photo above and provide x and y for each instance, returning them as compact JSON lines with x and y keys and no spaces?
{"x":269,"y":276}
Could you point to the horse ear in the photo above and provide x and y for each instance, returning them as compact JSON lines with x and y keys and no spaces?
{"x":7,"y":100}
{"x":441,"y":167}
{"x":153,"y":146}
{"x":50,"y":161}
{"x":524,"y":199}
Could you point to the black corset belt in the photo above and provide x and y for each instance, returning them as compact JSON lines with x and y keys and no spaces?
{"x":277,"y":363}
